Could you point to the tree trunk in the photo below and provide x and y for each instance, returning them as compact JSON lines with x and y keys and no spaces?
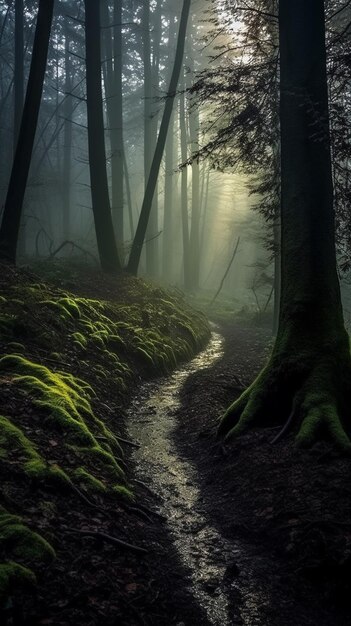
{"x":194,"y":122}
{"x":184,"y":187}
{"x":67,"y":147}
{"x":19,"y":175}
{"x":308,"y":377}
{"x":96,"y":140}
{"x":114,"y":101}
{"x":277,"y":271}
{"x":117,"y":130}
{"x":18,"y":84}
{"x":155,"y":167}
{"x":168,"y":222}
{"x":18,"y":88}
{"x":152,"y":65}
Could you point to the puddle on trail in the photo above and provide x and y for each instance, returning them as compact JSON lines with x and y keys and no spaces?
{"x":204,"y":552}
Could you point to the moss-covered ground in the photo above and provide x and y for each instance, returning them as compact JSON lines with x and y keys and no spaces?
{"x":73,"y":349}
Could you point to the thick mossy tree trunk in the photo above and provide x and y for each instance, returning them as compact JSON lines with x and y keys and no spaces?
{"x":306,"y":384}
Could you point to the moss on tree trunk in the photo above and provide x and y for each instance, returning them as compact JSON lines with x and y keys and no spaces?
{"x":306,"y":383}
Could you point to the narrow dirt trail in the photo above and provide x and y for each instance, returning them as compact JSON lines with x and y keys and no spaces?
{"x":234,"y":575}
{"x":201,"y":548}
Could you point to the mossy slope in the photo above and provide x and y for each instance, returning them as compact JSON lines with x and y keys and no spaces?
{"x":62,"y":356}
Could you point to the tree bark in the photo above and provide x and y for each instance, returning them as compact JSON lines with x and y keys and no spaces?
{"x":19,"y":175}
{"x":96,"y":141}
{"x":308,"y":377}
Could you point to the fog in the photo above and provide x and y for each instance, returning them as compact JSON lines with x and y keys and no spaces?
{"x":57,"y":219}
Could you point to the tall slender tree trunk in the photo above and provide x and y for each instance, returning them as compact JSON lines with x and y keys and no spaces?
{"x":96,"y":140}
{"x":194,"y":124}
{"x":18,"y":84}
{"x":113,"y":73}
{"x":18,"y":90}
{"x":129,"y":195}
{"x":308,"y":378}
{"x":152,"y":65}
{"x":19,"y":175}
{"x":67,"y":147}
{"x":135,"y":253}
{"x":184,"y":186}
{"x":117,"y":130}
{"x":204,"y":205}
{"x":168,"y":222}
{"x":277,"y":271}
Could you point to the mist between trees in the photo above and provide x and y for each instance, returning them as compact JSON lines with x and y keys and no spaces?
{"x":217,"y":176}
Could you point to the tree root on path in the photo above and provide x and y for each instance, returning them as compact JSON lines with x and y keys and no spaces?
{"x":100,"y":535}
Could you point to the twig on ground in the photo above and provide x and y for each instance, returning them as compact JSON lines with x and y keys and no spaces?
{"x":134,"y":444}
{"x":109,"y":538}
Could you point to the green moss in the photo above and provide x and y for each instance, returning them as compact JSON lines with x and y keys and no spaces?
{"x":18,"y":302}
{"x":144,"y":356}
{"x":80,"y":340}
{"x":7,"y":323}
{"x":56,"y":355}
{"x":22,"y":550}
{"x":14,"y":345}
{"x":14,"y":577}
{"x":88,"y":480}
{"x":24,"y":544}
{"x":15,"y":445}
{"x":60,"y":440}
{"x":116,"y":342}
{"x":70,"y":305}
{"x":64,"y":315}
{"x":124,"y":492}
{"x":20,"y":546}
{"x":65,"y":402}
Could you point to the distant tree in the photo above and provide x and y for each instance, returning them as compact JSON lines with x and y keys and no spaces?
{"x":138,"y":242}
{"x":67,"y":142}
{"x":113,"y":39}
{"x":168,"y":213}
{"x":19,"y":175}
{"x":151,"y":62}
{"x":96,"y":139}
{"x":18,"y":83}
{"x":184,"y":187}
{"x":194,"y":128}
{"x":307,"y":380}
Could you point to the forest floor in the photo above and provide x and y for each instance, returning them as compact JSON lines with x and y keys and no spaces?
{"x":245,"y":534}
{"x":284,"y":513}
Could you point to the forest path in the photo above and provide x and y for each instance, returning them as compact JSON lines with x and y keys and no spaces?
{"x":201,"y":548}
{"x":235,"y":575}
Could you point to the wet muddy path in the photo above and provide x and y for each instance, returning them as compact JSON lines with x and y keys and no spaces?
{"x":233,"y":579}
{"x":202,"y":550}
{"x":209,"y":558}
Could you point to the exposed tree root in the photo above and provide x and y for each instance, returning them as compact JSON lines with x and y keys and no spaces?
{"x":110,"y":539}
{"x":312,"y":400}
